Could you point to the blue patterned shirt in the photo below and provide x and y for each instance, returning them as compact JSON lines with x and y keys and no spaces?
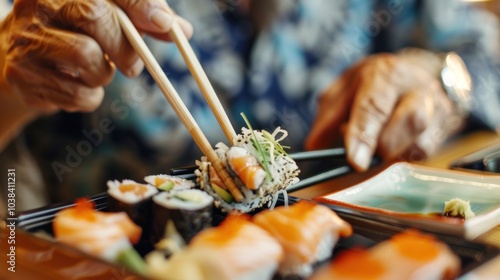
{"x":273,"y":76}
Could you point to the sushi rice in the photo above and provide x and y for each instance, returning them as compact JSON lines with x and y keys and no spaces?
{"x":129,"y":196}
{"x":281,"y":169}
{"x":172,"y":182}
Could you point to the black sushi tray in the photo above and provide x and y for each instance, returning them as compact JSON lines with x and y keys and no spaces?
{"x":38,"y":256}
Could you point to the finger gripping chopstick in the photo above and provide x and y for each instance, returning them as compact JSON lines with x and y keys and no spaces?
{"x":174,"y":99}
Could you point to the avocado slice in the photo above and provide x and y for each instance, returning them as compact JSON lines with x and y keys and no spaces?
{"x":167,"y":185}
{"x":192,"y":196}
{"x":225,"y":195}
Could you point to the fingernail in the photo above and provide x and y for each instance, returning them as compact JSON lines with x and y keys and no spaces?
{"x":68,"y":71}
{"x":136,"y":69}
{"x":162,"y":20}
{"x":360,"y":155}
{"x":186,"y":26}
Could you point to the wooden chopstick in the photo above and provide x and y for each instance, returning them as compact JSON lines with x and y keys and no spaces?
{"x":202,"y":80}
{"x":175,"y":101}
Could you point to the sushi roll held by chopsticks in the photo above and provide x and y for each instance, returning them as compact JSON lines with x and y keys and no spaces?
{"x":259,"y":165}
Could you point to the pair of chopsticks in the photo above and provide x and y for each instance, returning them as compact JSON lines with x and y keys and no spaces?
{"x":340,"y":152}
{"x":173,"y":97}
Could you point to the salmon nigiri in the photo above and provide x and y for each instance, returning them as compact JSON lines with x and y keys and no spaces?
{"x":106,"y":235}
{"x":236,"y":249}
{"x":418,"y":256}
{"x":307,"y":231}
{"x":353,"y":264}
{"x":408,"y":255}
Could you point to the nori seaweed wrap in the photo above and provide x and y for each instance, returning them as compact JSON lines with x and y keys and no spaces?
{"x":190,"y":210}
{"x":134,"y":199}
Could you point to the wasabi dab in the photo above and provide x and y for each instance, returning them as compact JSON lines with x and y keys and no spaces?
{"x":457,"y":207}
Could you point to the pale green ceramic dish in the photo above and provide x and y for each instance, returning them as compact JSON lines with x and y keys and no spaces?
{"x":414,"y":195}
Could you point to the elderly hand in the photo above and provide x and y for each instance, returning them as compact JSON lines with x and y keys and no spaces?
{"x":59,"y":53}
{"x":392,"y":105}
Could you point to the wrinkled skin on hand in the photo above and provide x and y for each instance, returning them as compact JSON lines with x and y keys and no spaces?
{"x":60,"y":53}
{"x":391,"y":105}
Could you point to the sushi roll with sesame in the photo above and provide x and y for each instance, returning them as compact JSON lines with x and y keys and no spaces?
{"x":168,"y":183}
{"x":259,"y":165}
{"x":190,"y":210}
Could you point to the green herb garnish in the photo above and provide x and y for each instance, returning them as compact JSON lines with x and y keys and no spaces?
{"x":257,"y":145}
{"x":277,"y":146}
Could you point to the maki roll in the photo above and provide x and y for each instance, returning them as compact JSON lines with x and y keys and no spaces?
{"x":308,"y":233}
{"x":259,"y":165}
{"x":190,"y":210}
{"x":134,"y":199}
{"x":168,"y":183}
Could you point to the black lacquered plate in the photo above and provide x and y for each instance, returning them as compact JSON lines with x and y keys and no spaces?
{"x":368,"y":231}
